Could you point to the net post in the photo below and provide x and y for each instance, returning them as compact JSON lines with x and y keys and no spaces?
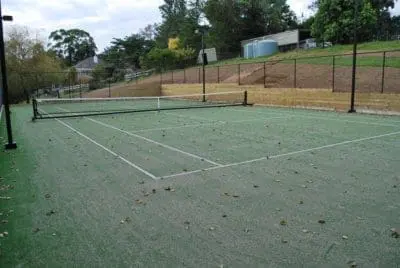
{"x":35,"y":111}
{"x":245,"y":98}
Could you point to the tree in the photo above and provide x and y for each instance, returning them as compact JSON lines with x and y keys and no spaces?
{"x":125,"y":53}
{"x":149,"y":32}
{"x":72,"y":45}
{"x":334,"y":21}
{"x":233,"y":21}
{"x":29,"y":66}
{"x":174,"y":13}
{"x":225,"y":31}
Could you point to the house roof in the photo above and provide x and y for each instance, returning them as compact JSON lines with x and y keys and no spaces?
{"x":88,"y":63}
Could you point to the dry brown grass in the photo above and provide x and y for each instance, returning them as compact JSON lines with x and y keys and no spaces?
{"x":148,"y":87}
{"x":290,"y":97}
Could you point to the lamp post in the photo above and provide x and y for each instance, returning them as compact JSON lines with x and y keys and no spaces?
{"x":354,"y":72}
{"x":10,"y":144}
{"x":203,"y":57}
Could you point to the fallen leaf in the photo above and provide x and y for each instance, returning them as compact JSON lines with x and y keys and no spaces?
{"x":321,"y":221}
{"x":47,"y":196}
{"x":352,"y":264}
{"x":283,"y":222}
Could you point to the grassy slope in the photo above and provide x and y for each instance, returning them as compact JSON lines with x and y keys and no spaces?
{"x":372,"y":60}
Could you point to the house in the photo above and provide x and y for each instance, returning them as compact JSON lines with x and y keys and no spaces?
{"x":87,"y":65}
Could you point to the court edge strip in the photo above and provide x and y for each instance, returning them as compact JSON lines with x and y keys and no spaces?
{"x":280,"y":155}
{"x":105,"y":148}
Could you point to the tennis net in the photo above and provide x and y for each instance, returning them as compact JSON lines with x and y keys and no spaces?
{"x":76,"y":107}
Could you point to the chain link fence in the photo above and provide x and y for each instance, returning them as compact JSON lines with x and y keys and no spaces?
{"x":376,"y":72}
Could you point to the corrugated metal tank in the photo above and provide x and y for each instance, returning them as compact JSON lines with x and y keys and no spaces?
{"x":266,"y":48}
{"x":248,"y":51}
{"x":255,"y":49}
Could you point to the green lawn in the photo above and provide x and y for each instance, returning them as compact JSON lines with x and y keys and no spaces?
{"x":371,"y":60}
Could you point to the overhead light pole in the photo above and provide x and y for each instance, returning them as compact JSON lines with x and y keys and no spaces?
{"x":10,"y":144}
{"x":354,"y":72}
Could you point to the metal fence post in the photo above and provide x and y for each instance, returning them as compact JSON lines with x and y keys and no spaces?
{"x":199,"y":75}
{"x":218,"y":74}
{"x":265,"y":74}
{"x":109,"y":88}
{"x":333,"y":73}
{"x":239,"y":74}
{"x":295,"y":74}
{"x":37,"y":85}
{"x":383,"y":71}
{"x":69,"y":86}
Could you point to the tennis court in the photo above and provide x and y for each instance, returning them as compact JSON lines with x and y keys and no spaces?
{"x":226,"y":186}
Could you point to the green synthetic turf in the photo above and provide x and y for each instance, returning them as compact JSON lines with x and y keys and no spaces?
{"x":354,"y":187}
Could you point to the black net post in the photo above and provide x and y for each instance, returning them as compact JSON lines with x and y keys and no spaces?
{"x":239,"y":74}
{"x":383,"y":71}
{"x":295,"y":73}
{"x":35,"y":111}
{"x":333,"y":73}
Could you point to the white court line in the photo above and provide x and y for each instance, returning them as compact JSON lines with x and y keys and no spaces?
{"x":104,"y":148}
{"x":210,"y":124}
{"x":192,"y":117}
{"x":322,"y":118}
{"x":149,"y":140}
{"x":285,"y":154}
{"x":154,"y":142}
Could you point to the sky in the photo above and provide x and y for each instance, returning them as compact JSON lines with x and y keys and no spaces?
{"x":103,"y":19}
